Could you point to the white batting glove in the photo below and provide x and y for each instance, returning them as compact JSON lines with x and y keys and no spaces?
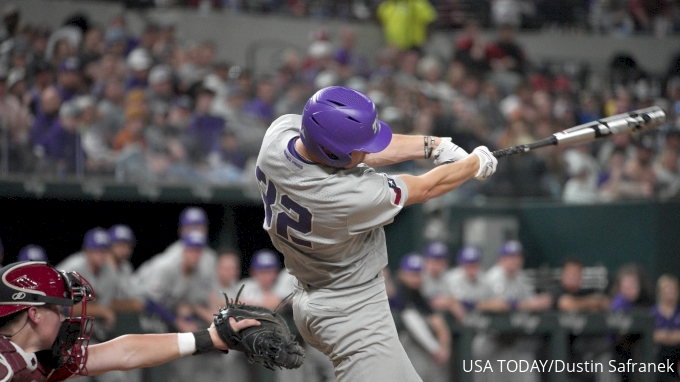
{"x":448,"y":152}
{"x":487,"y":162}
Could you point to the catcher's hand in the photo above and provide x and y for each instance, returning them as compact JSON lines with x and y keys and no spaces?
{"x":271,"y":343}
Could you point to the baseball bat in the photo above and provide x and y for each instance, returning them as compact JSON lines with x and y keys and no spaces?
{"x":617,"y":124}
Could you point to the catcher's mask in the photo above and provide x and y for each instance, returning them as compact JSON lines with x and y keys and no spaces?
{"x":34,"y":283}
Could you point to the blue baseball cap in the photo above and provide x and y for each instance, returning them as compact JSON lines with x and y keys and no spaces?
{"x":265,"y":259}
{"x":96,"y":239}
{"x":437,"y":250}
{"x":32,"y":253}
{"x":511,"y":247}
{"x":469,"y":255}
{"x":412,"y":262}
{"x":194,"y":239}
{"x":193,"y":216}
{"x":120,"y":233}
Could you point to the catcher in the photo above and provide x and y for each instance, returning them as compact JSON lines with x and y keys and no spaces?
{"x":43,"y":340}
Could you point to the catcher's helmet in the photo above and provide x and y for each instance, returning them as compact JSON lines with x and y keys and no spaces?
{"x":33,"y":283}
{"x":338,"y":120}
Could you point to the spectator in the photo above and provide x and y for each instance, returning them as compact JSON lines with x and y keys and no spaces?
{"x":50,"y":103}
{"x":582,"y":186}
{"x":32,"y":252}
{"x":69,"y":78}
{"x":348,"y":55}
{"x":652,"y":15}
{"x":160,"y":92}
{"x":639,"y":169}
{"x":405,"y":22}
{"x":138,"y":62}
{"x":667,"y":324}
{"x":667,"y":174}
{"x":133,"y":130}
{"x":62,"y":144}
{"x":15,"y":118}
{"x":204,"y":128}
{"x":426,"y":338}
{"x":262,"y":106}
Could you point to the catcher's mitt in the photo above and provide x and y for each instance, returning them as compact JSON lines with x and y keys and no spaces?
{"x":271,"y":343}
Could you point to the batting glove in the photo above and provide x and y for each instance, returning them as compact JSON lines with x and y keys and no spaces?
{"x":487,"y":162}
{"x":448,"y":152}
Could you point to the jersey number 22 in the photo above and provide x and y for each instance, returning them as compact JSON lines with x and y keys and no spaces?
{"x":286,"y":218}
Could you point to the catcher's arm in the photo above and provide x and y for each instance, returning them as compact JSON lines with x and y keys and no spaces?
{"x":145,"y":350}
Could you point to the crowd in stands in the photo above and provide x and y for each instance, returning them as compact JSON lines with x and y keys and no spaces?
{"x":87,"y":100}
{"x":182,"y":287}
{"x":614,"y":17}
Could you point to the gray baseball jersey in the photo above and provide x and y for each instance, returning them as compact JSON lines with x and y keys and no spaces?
{"x":105,"y":282}
{"x":464,"y":289}
{"x":501,"y":286}
{"x":433,"y":287}
{"x":162,"y":280}
{"x":125,"y":272}
{"x":326,"y":221}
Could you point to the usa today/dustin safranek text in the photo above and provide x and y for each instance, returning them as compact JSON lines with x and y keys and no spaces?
{"x":559,"y":366}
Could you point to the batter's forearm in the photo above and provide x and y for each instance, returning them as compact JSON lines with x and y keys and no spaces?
{"x":440,"y":180}
{"x":402,"y":148}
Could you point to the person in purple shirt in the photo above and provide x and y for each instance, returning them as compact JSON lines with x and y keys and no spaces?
{"x":50,"y":102}
{"x":204,"y":128}
{"x":262,"y":106}
{"x":666,"y":315}
{"x":69,"y":78}
{"x":62,"y":143}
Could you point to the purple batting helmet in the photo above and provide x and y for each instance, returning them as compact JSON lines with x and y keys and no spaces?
{"x":338,"y":120}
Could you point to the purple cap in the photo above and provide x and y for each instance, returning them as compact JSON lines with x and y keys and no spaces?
{"x":70,"y":64}
{"x":511,"y":247}
{"x":193,"y":216}
{"x":97,"y":238}
{"x":469,"y":255}
{"x":120,"y":233}
{"x":32,"y":253}
{"x":437,"y":250}
{"x":194,"y":239}
{"x":412,"y":262}
{"x":265,"y":259}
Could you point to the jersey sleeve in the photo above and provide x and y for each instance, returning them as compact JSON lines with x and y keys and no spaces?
{"x":376,"y":199}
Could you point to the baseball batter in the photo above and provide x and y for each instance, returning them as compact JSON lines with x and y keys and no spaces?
{"x":324,"y":210}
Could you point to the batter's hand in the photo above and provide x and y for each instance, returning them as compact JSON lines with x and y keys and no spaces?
{"x":448,"y":152}
{"x":487,"y":162}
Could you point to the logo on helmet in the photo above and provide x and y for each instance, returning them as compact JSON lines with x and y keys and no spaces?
{"x":18,"y":296}
{"x":376,"y":126}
